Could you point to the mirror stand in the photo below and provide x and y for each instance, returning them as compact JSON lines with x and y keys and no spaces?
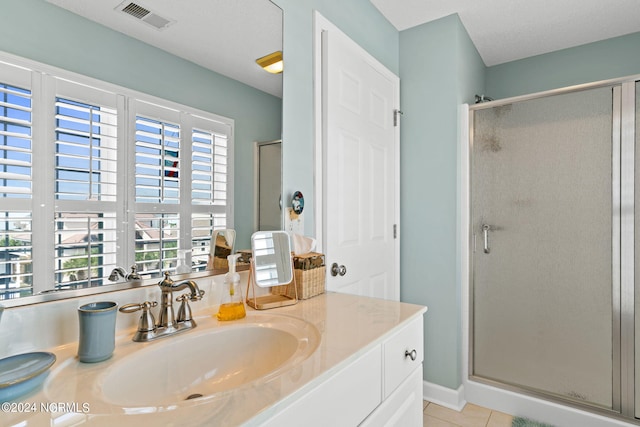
{"x":278,"y":296}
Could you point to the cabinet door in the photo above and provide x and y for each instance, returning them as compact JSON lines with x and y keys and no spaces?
{"x":345,"y":399}
{"x":403,"y":353}
{"x":403,"y":407}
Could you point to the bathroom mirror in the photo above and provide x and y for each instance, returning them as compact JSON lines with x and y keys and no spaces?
{"x":243,"y":212}
{"x":272,"y":264}
{"x":222,"y":245}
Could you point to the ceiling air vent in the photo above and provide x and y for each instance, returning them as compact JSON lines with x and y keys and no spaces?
{"x":145,"y":15}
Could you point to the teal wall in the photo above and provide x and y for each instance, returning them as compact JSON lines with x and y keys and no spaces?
{"x":361,"y":21}
{"x":42,"y":32}
{"x":439,"y":69}
{"x":607,"y":59}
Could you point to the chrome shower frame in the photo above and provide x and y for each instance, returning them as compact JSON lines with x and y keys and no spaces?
{"x":623,"y":256}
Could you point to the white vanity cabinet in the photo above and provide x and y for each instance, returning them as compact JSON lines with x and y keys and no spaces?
{"x":382,"y":387}
{"x":402,"y":373}
{"x":361,"y":369}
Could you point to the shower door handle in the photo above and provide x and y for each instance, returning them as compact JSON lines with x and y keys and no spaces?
{"x":485,"y":233}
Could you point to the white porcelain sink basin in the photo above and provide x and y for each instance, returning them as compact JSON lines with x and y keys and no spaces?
{"x":208,"y":362}
{"x":198,"y":365}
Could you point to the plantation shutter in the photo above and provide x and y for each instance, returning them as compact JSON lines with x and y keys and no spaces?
{"x":159,"y":168}
{"x":210,"y":185}
{"x":86,"y":177}
{"x":16,"y":187}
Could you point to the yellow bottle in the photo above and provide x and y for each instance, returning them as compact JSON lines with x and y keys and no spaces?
{"x":231,"y":305}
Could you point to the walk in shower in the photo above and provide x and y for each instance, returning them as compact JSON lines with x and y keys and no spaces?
{"x":553,"y":300}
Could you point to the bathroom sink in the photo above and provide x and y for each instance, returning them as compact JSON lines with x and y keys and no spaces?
{"x":212,"y":360}
{"x":198,"y":365}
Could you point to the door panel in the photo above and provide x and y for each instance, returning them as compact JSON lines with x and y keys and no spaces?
{"x":542,"y":291}
{"x":359,"y":97}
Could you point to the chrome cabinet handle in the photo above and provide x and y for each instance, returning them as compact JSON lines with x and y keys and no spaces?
{"x":413,"y":354}
{"x":485,"y":232}
{"x":338,"y":269}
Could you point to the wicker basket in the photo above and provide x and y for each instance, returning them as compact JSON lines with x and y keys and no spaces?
{"x":310,"y":282}
{"x":309,"y":274}
{"x":220,"y":262}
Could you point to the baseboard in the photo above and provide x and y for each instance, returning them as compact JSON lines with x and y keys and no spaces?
{"x":522,"y":405}
{"x":444,"y":396}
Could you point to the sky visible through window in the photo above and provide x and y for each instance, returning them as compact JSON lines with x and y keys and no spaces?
{"x":15,"y":182}
{"x":15,"y":125}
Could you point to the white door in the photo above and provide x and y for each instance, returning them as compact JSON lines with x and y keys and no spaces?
{"x":360,"y":152}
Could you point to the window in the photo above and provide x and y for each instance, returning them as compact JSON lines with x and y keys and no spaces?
{"x":157,"y":161}
{"x":85,"y":248}
{"x":210,"y":186}
{"x":86,"y":151}
{"x":16,"y":151}
{"x":202,"y":227}
{"x":181,"y":186}
{"x":15,"y":135}
{"x":85,"y":172}
{"x":157,"y":240}
{"x":104,"y":197}
{"x":16,"y":271}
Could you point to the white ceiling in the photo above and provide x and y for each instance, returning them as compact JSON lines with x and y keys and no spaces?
{"x":506,"y":30}
{"x":226,"y":36}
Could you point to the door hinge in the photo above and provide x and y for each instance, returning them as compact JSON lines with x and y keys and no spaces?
{"x":396,"y":117}
{"x":395,"y":231}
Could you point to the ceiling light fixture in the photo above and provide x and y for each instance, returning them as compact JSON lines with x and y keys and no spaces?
{"x":272,"y":62}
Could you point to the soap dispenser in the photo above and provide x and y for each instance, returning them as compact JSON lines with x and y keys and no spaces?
{"x":231,"y":304}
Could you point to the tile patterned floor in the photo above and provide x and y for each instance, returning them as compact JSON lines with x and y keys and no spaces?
{"x":470,"y":416}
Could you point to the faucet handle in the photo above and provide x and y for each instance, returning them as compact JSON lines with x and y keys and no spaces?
{"x":134,"y":275}
{"x":184,"y":312}
{"x":147,"y":322}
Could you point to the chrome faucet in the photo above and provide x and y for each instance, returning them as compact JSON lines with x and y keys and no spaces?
{"x":120,"y":272}
{"x":168,"y":286}
{"x":168,"y":324}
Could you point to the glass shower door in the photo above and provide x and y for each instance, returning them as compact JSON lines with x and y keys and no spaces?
{"x":544,"y":234}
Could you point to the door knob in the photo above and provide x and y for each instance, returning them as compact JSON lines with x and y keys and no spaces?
{"x":338,"y":269}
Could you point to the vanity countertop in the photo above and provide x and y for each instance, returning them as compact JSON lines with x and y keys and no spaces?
{"x":348,"y":325}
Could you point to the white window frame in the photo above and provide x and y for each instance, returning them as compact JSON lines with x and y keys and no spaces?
{"x":46,"y":83}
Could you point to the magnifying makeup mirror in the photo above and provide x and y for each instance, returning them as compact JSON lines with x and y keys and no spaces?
{"x":271,"y":267}
{"x":222,"y":245}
